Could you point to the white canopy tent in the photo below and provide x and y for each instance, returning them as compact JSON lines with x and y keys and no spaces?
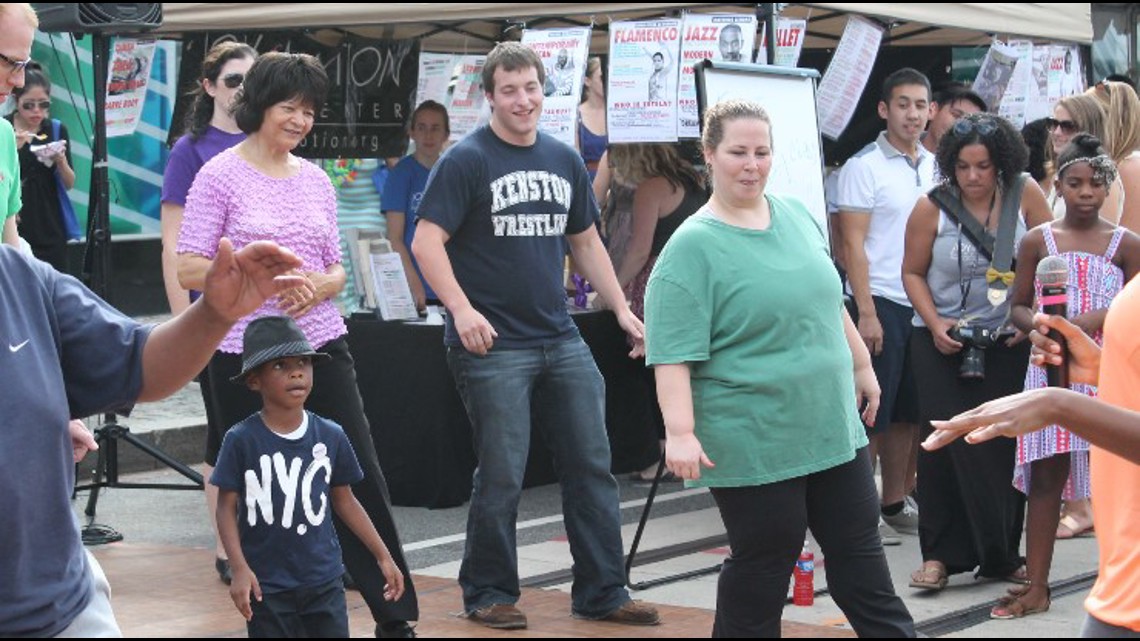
{"x":474,"y":26}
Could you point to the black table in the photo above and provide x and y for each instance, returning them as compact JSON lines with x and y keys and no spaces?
{"x":420,"y":427}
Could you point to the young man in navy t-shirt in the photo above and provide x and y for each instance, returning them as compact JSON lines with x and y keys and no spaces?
{"x":499,"y":209}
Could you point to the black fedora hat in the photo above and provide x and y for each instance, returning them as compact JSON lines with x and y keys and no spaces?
{"x":269,"y":338}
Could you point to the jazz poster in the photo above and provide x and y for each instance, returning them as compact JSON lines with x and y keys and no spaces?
{"x":719,"y":37}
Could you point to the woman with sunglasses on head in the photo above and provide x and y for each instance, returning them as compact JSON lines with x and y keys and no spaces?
{"x":971,"y":515}
{"x":1073,"y":115}
{"x":210,"y":129}
{"x":260,"y":190}
{"x":45,"y":170}
{"x":1122,"y":139}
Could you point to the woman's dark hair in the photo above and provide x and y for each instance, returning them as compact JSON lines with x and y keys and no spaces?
{"x":202,"y":108}
{"x":1036,"y":137}
{"x":34,"y":76}
{"x":1083,"y":145}
{"x":1008,"y":152}
{"x":427,"y":106}
{"x":277,"y":77}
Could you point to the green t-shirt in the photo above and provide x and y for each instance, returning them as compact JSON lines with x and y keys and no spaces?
{"x":757,"y":315}
{"x":10,"y":202}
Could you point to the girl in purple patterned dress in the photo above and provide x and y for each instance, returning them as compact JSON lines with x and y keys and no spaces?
{"x":1101,"y":257}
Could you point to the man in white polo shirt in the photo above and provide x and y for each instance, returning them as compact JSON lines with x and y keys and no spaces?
{"x":878,"y":187}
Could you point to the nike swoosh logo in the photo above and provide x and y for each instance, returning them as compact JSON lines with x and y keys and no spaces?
{"x":16,"y":348}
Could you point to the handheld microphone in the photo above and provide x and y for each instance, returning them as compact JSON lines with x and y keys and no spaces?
{"x":1053,"y":275}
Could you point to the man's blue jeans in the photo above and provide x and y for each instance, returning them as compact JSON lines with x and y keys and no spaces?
{"x":560,"y":387}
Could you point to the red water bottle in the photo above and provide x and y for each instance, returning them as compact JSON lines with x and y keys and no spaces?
{"x":803,"y":592}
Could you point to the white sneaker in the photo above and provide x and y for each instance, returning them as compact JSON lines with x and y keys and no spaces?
{"x":906,"y":521}
{"x":887,"y":534}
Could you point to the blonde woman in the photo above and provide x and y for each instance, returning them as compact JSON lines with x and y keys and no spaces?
{"x":1073,"y":115}
{"x":1122,"y":138}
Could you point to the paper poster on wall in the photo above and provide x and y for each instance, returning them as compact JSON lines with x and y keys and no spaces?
{"x":728,"y":38}
{"x":1065,"y":71}
{"x":641,"y":98}
{"x":127,"y":75}
{"x":847,"y":75}
{"x":790,"y":34}
{"x":1015,"y":99}
{"x":563,"y":53}
{"x":995,"y":74}
{"x":466,"y":104}
{"x":436,"y":71}
{"x":1037,"y":103}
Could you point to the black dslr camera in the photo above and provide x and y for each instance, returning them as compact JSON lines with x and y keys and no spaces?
{"x":974,"y":340}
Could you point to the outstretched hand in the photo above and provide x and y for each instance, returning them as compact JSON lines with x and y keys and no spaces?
{"x":1007,"y":416}
{"x":238,"y":282}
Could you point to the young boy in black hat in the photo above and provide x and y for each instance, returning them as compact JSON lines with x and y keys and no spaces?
{"x":279,"y":473}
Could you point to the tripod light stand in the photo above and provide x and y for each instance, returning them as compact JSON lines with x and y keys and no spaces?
{"x":96,"y":272}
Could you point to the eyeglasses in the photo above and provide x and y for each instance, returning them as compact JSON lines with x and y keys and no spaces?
{"x":1067,"y":126}
{"x":32,"y":104}
{"x":965,"y":126}
{"x":17,"y":65}
{"x":233,"y":80}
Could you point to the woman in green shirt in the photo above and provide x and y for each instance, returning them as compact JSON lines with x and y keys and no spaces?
{"x":760,"y":375}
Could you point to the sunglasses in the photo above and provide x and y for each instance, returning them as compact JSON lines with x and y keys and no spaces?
{"x":233,"y":80}
{"x":1067,"y":126}
{"x":17,"y":65}
{"x":965,"y":126}
{"x":32,"y":104}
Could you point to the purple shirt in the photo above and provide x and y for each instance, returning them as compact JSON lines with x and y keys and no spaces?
{"x":188,"y":156}
{"x":232,"y":199}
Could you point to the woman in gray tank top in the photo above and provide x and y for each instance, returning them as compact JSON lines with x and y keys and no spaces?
{"x":963,"y":351}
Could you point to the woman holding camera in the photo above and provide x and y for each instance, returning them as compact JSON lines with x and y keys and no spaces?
{"x":964,"y":349}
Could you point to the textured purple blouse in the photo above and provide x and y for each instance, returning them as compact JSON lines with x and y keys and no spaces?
{"x":229,"y":198}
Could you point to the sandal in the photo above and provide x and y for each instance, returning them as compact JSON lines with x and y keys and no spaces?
{"x":931,"y":576}
{"x":1070,"y":528}
{"x":1011,"y":606}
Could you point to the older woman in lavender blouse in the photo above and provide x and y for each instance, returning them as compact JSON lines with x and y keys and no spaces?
{"x":258,"y":190}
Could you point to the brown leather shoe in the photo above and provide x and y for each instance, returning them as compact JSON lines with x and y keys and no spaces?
{"x":634,"y":613}
{"x":501,"y":616}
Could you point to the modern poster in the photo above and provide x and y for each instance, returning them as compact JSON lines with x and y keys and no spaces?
{"x":563,"y":53}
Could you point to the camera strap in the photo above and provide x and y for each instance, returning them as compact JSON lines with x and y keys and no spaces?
{"x":999,"y":251}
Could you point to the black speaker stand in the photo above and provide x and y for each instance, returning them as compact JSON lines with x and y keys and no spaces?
{"x":96,"y":272}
